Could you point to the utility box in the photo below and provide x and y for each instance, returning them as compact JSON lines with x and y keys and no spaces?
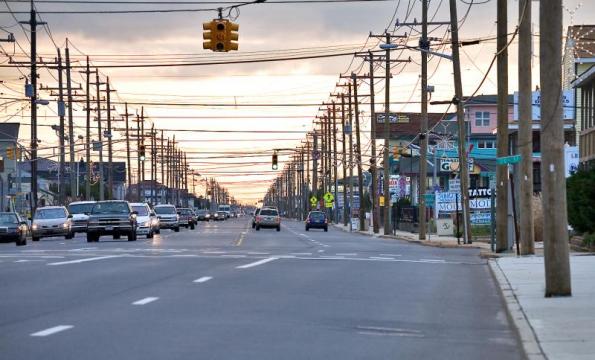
{"x":445,"y":227}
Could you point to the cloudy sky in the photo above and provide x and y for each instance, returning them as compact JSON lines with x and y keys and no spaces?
{"x":266,"y":30}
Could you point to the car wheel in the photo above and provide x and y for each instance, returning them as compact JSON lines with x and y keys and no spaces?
{"x":192,"y":226}
{"x":149,"y":235}
{"x":158,"y":231}
{"x":257,"y":228}
{"x":35,"y":238}
{"x":307,"y":228}
{"x":92,"y":237}
{"x":117,"y":236}
{"x":177,"y":229}
{"x":278,"y":228}
{"x":132,"y":236}
{"x":21,"y":241}
{"x":253,"y":225}
{"x":325,"y":228}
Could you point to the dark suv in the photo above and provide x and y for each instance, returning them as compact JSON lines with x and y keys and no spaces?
{"x":114,"y":218}
{"x":186,"y":218}
{"x":316,"y":220}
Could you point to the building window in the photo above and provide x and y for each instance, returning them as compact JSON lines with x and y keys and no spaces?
{"x":486,"y":144}
{"x":482,"y":118}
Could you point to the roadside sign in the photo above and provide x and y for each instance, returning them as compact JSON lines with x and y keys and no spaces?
{"x":313,"y":200}
{"x":454,"y":185}
{"x":329,"y":199}
{"x":430,"y":198}
{"x":381,"y":200}
{"x":513,"y":159}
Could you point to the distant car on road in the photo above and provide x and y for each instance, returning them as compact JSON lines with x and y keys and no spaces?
{"x":316,"y":220}
{"x":80,"y":214}
{"x":220,"y":216}
{"x":186,"y":218}
{"x":203,"y":215}
{"x":13,"y":228}
{"x":254,"y":217}
{"x":268,"y":218}
{"x":168,"y":217}
{"x":112,"y":217}
{"x":143,"y":219}
{"x":51,"y":221}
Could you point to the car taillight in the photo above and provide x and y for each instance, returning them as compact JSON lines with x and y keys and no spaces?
{"x":326,"y":221}
{"x":278,"y":219}
{"x":258,"y":218}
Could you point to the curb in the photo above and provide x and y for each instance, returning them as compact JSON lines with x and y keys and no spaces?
{"x":531,"y":348}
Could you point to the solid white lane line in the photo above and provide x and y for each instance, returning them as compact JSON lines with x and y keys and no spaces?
{"x":213,"y":252}
{"x":52,"y":330}
{"x":256,"y":263}
{"x":381,"y":258}
{"x":432,"y":260}
{"x":391,"y":255}
{"x":85,"y":260}
{"x":203,"y":279}
{"x":346,"y":254}
{"x":257,"y":253}
{"x":302,"y":254}
{"x":145,"y":301}
{"x":320,"y":251}
{"x":234,"y":256}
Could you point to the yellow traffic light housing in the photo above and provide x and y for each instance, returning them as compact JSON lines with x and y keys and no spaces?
{"x":275,"y":164}
{"x":220,"y":35}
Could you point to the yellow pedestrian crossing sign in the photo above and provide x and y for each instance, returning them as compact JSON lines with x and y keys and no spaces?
{"x":313,"y":200}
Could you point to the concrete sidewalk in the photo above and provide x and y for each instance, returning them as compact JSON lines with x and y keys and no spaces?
{"x":433,"y":240}
{"x":549,"y":328}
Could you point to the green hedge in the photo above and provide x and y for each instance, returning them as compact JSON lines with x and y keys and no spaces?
{"x":580,"y":188}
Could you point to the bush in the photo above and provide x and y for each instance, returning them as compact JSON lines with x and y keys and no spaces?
{"x":580,"y":188}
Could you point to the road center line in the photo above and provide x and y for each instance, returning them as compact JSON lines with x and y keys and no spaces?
{"x":52,"y":330}
{"x":85,"y":260}
{"x":256,"y":263}
{"x":203,"y":279}
{"x":145,"y":301}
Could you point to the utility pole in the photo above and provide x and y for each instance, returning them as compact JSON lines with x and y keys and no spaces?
{"x":138,"y":161}
{"x":153,"y":165}
{"x":351,"y":159}
{"x":358,"y":159}
{"x":110,"y":164}
{"x":61,"y":110}
{"x":142,"y":163}
{"x":525,"y":141}
{"x":127,"y":134}
{"x":100,"y":137}
{"x":88,"y":131}
{"x":553,"y":180}
{"x":386,"y":183}
{"x":424,"y":44}
{"x":163,"y":163}
{"x":315,"y":155}
{"x":463,"y":167}
{"x":502,"y":128}
{"x":344,"y":160}
{"x":73,"y":172}
{"x":33,"y":78}
{"x":373,"y":161}
{"x":167,"y":173}
{"x":334,"y":133}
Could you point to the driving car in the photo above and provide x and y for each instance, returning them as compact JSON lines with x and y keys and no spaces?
{"x":143,"y":219}
{"x":51,"y":221}
{"x":268,"y":218}
{"x":203,"y":215}
{"x":112,"y":217}
{"x":186,"y":218}
{"x":13,"y":228}
{"x":168,"y":217}
{"x":254,"y":217}
{"x":221,"y":215}
{"x":80,"y":214}
{"x":316,"y":220}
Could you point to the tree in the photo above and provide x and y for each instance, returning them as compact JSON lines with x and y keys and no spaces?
{"x":580,"y":189}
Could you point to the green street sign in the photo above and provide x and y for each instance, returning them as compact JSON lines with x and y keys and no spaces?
{"x":508,"y":160}
{"x":430,"y":198}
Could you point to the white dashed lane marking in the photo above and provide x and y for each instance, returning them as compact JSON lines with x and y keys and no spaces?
{"x":203,"y":279}
{"x":145,"y":301}
{"x":85,"y":260}
{"x":256,"y":263}
{"x":52,"y":330}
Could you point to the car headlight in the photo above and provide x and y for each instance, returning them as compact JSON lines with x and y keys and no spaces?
{"x":65,"y":225}
{"x":147,"y":223}
{"x":34,"y":226}
{"x":155,"y":221}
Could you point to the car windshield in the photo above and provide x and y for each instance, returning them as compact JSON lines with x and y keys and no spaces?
{"x":8,"y":219}
{"x":201,"y":212}
{"x":268,"y":212}
{"x":141,"y":210}
{"x":165,"y":210}
{"x":80,"y":208}
{"x":184,"y":211}
{"x":111,"y":208}
{"x":317,"y":216}
{"x":50,"y":214}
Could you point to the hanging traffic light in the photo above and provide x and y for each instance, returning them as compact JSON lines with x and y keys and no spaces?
{"x":141,"y":152}
{"x":275,"y":165}
{"x":220,"y":35}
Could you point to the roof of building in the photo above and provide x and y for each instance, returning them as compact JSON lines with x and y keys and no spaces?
{"x":582,"y":39}
{"x":487,"y":100}
{"x":410,"y":128}
{"x":9,"y":131}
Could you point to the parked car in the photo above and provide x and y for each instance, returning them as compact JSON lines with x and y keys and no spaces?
{"x":51,"y":221}
{"x":80,"y":214}
{"x":316,"y":220}
{"x":186,"y":218}
{"x":168,"y":217}
{"x":203,"y":215}
{"x":268,"y":218}
{"x":13,"y":228}
{"x":143,"y":219}
{"x":112,"y":217}
{"x":254,"y":217}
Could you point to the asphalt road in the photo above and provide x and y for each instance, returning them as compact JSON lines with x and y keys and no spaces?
{"x":226,"y":291}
